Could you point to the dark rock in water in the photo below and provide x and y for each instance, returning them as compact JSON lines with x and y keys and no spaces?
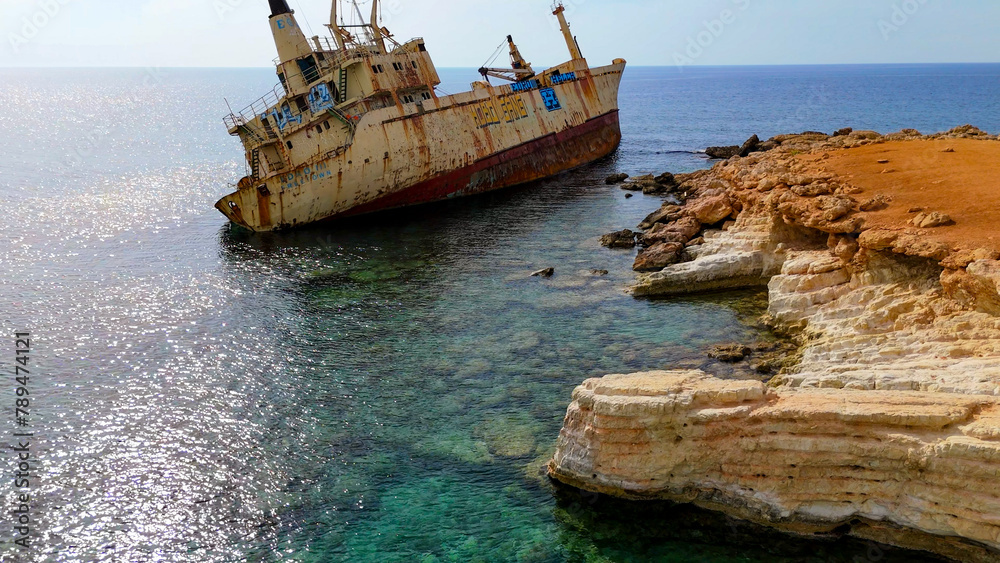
{"x":665,"y":214}
{"x":667,"y":179}
{"x":722,"y":152}
{"x":843,"y":132}
{"x":730,"y":353}
{"x":658,"y":256}
{"x":765,"y":367}
{"x":628,"y":196}
{"x":616,"y":179}
{"x":546,"y":273}
{"x":620,"y":239}
{"x":599,"y":272}
{"x":750,"y":146}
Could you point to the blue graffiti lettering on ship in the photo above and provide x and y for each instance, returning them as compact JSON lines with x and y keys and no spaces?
{"x":524,"y":85}
{"x":320,"y":98}
{"x":551,"y":99}
{"x":560,"y":78}
{"x":306,"y":175}
{"x":284,"y":117}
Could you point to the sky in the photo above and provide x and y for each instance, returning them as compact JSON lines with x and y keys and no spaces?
{"x":465,"y":33}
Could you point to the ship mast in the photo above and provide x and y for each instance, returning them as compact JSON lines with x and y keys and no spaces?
{"x":559,"y":10}
{"x":338,"y":34}
{"x":376,"y":30}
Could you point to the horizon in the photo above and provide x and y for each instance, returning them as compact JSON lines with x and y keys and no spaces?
{"x":788,"y":65}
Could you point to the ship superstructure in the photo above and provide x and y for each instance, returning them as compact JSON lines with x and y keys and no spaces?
{"x":357,"y":125}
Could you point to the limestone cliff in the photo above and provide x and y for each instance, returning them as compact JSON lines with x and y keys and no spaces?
{"x":887,"y":272}
{"x":913,"y":469}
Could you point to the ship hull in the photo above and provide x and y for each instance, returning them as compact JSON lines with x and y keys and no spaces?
{"x":484,"y":140}
{"x":535,"y":160}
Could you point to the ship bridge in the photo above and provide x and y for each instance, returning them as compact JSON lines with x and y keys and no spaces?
{"x":326,"y":84}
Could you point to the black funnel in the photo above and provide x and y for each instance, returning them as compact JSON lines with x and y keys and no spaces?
{"x":279,"y":7}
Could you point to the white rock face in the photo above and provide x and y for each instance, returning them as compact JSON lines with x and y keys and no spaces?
{"x":914,"y":469}
{"x":745,"y":256}
{"x":887,"y":336}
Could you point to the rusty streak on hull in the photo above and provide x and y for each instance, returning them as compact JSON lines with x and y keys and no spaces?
{"x":531,"y":161}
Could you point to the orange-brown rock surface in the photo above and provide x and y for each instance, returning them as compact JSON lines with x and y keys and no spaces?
{"x":880,"y":254}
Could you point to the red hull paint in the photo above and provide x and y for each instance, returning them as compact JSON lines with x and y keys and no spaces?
{"x":535,"y":160}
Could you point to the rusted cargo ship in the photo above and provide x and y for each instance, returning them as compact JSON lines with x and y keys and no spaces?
{"x":357,"y":125}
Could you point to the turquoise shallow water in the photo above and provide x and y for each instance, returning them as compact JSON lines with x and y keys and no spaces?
{"x":378,"y":391}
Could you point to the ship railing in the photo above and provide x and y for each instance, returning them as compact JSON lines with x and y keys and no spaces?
{"x":260,"y":106}
{"x":324,"y":44}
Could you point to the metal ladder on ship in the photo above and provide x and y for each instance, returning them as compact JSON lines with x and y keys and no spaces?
{"x":342,"y":87}
{"x":254,"y":164}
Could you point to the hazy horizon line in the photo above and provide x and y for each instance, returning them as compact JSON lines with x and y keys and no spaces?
{"x":474,"y":68}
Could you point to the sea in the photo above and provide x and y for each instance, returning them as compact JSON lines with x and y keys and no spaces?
{"x":383,"y":390}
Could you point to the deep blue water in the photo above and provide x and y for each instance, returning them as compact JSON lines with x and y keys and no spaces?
{"x":385,"y":390}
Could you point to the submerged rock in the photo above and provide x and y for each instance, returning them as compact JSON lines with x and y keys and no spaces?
{"x":730,"y":353}
{"x":616,"y":179}
{"x":723,"y":153}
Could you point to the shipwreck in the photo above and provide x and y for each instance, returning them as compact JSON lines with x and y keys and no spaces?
{"x":357,"y":124}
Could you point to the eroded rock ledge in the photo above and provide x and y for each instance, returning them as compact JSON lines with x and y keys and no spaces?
{"x":911,"y":469}
{"x":878,"y":252}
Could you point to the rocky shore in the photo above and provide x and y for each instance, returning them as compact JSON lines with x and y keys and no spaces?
{"x":881,"y":262}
